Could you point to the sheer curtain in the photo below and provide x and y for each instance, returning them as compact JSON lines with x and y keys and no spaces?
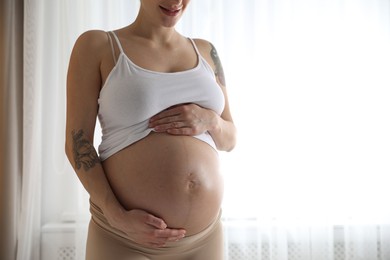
{"x":309,"y":89}
{"x":52,"y":193}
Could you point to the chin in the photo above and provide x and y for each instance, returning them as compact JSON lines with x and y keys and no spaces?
{"x":170,"y":24}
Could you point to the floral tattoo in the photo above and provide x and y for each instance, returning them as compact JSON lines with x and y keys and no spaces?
{"x":83,"y":152}
{"x":219,"y":74}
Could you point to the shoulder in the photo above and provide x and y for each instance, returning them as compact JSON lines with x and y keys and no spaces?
{"x":204,"y":46}
{"x":91,"y":43}
{"x":93,"y":37}
{"x":209,"y":52}
{"x":207,"y":49}
{"x":85,"y":62}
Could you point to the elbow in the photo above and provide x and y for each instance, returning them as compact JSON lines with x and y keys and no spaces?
{"x":232,"y":144}
{"x":225,"y":136}
{"x":232,"y":140}
{"x":229,"y":149}
{"x":68,"y":150}
{"x":69,"y":153}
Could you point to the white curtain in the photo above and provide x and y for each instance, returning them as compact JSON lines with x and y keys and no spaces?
{"x":309,"y":89}
{"x":51,"y":191}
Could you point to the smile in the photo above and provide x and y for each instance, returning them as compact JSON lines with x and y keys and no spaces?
{"x":171,"y":12}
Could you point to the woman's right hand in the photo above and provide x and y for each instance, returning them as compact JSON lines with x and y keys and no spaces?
{"x":146,"y":229}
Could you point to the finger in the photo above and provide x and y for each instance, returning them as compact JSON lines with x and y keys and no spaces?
{"x":166,"y":113}
{"x":170,"y":233}
{"x":181,"y":131}
{"x":157,"y":241}
{"x":155,"y":222}
{"x":166,"y":121}
{"x":167,"y":126}
{"x":175,"y":239}
{"x":164,"y":240}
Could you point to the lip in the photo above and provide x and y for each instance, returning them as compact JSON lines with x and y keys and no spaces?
{"x":171,"y":12}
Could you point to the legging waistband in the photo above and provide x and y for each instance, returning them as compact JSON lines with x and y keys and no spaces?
{"x":187,"y":242}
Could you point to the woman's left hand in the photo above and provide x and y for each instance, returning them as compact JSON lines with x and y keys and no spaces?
{"x":184,"y":119}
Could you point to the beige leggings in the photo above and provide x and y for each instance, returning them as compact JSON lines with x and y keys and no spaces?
{"x":106,"y":243}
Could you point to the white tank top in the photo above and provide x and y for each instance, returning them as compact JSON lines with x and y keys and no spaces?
{"x":131,"y":95}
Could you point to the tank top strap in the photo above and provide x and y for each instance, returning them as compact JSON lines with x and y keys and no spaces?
{"x":195,"y":47}
{"x":117,"y":41}
{"x":112,"y":46}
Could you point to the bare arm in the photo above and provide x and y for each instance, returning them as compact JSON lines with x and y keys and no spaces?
{"x":83,"y":88}
{"x":223,"y":130}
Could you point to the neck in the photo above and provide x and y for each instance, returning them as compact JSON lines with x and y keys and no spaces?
{"x":158,"y":34}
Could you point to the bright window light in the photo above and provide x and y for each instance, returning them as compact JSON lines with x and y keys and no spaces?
{"x":311,"y":102}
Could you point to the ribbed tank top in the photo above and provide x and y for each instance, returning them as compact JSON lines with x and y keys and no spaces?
{"x":131,"y":95}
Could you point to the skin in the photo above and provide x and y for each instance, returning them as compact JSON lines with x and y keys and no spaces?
{"x":91,"y":61}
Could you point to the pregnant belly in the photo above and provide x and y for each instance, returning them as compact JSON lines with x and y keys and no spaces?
{"x":176,"y":178}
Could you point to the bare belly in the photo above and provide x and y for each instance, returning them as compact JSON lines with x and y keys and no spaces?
{"x":176,"y":178}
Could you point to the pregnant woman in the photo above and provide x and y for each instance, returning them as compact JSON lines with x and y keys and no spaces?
{"x":155,"y":186}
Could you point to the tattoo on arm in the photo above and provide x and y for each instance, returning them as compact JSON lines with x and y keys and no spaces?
{"x":219,"y":74}
{"x":83,"y":151}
